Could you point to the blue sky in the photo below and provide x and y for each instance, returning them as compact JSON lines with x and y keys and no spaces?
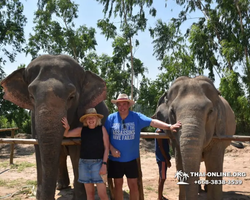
{"x":89,"y":12}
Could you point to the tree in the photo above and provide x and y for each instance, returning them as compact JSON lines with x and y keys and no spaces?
{"x":55,"y":31}
{"x":149,"y":93}
{"x":170,"y":47}
{"x":130,"y":24}
{"x":12,"y":22}
{"x":232,"y":90}
{"x":114,"y":72}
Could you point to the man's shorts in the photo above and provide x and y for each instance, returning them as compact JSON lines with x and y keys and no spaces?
{"x":89,"y":171}
{"x":162,"y":165}
{"x":119,"y":169}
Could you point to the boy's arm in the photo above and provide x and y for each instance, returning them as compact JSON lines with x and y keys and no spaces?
{"x":163,"y":152}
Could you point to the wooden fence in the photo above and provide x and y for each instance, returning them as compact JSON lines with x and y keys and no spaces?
{"x":12,"y":130}
{"x":146,"y":135}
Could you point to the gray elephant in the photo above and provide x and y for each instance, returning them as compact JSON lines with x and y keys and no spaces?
{"x":203,"y":114}
{"x":54,"y":86}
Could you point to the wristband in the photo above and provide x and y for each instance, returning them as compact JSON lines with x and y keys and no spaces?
{"x":104,"y":163}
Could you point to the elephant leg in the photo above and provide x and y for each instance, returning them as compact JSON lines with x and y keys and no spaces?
{"x":39,"y":172}
{"x":63,"y":176}
{"x":214,"y":163}
{"x":182,"y":189}
{"x":79,"y":189}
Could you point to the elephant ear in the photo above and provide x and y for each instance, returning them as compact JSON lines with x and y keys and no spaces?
{"x":162,"y":99}
{"x":16,"y":89}
{"x":93,"y":92}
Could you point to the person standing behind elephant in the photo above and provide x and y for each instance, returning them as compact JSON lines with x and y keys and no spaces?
{"x":124,"y":129}
{"x":163,"y":161}
{"x":94,"y":152}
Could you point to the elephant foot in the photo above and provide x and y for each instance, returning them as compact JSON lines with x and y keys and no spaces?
{"x":200,"y":190}
{"x":61,"y":186}
{"x":205,"y":188}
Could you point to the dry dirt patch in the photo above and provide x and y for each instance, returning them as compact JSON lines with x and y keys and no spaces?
{"x":236,"y":160}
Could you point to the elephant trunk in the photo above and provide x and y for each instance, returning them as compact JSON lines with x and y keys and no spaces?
{"x":49,"y":131}
{"x":191,"y":140}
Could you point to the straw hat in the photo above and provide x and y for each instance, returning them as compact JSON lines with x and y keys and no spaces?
{"x":123,"y":97}
{"x":90,"y":112}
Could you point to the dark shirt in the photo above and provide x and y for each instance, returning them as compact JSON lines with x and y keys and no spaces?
{"x":158,"y":154}
{"x":92,"y":146}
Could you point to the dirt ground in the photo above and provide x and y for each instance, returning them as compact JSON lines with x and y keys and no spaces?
{"x":17,"y":185}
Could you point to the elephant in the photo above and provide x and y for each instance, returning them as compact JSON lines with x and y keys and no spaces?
{"x":54,"y":86}
{"x":204,"y":113}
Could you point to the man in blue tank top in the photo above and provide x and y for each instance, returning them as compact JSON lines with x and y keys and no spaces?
{"x":124,"y":129}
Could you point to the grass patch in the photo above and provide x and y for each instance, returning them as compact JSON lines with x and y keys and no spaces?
{"x":17,"y":183}
{"x":21,"y":166}
{"x":18,"y":166}
{"x":149,"y":188}
{"x":4,"y":164}
{"x":2,"y":183}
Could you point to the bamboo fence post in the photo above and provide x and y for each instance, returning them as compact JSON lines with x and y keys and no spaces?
{"x":139,"y":181}
{"x":12,"y":147}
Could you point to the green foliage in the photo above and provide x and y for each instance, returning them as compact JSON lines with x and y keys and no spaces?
{"x":131,"y":22}
{"x":165,"y":38}
{"x":13,"y":116}
{"x":108,"y":29}
{"x":150,"y":92}
{"x":12,"y":22}
{"x":231,"y":90}
{"x":178,"y":62}
{"x":53,"y":38}
{"x":3,"y":122}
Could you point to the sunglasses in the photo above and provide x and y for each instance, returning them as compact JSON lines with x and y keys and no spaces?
{"x":123,"y":124}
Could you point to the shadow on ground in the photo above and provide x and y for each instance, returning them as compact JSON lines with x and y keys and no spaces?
{"x":19,"y":150}
{"x":231,"y":195}
{"x":68,"y":193}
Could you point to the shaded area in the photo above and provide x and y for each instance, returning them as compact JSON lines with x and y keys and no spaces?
{"x":68,"y":193}
{"x":19,"y":149}
{"x":231,"y":195}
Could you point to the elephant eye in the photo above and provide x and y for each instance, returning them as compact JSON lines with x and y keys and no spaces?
{"x":209,"y":114}
{"x":31,"y":97}
{"x":210,"y":111}
{"x":71,"y":97}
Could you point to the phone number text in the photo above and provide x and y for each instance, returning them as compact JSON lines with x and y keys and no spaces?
{"x":219,"y":182}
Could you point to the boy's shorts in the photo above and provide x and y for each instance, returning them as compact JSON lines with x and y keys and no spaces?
{"x":89,"y":171}
{"x":119,"y":169}
{"x":162,"y":165}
